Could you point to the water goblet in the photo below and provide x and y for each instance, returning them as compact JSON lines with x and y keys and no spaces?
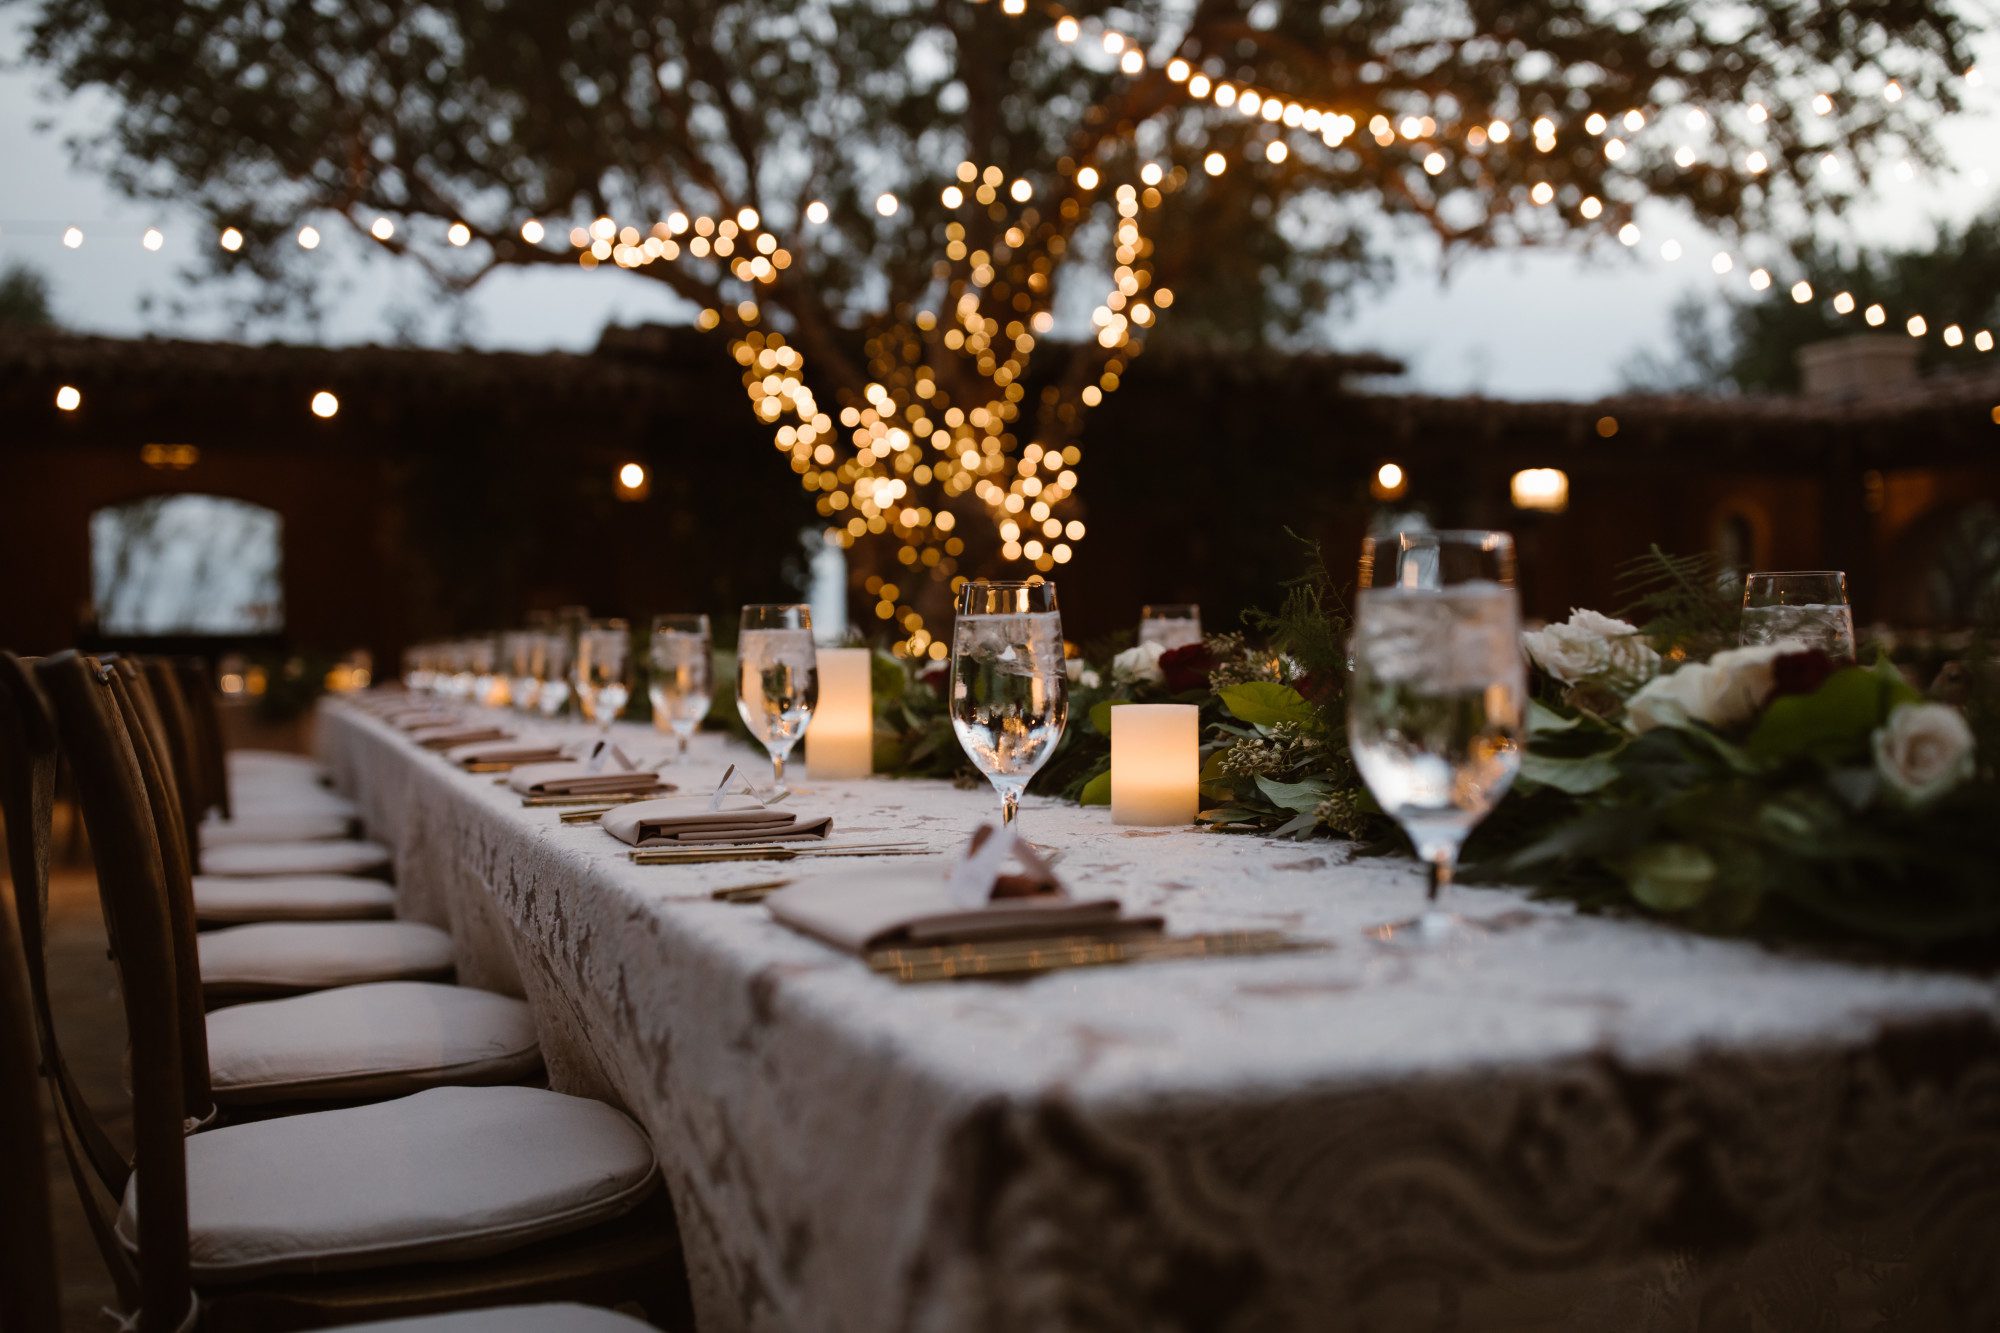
{"x":777,"y":678}
{"x":1170,"y":624}
{"x":681,"y":680}
{"x":603,"y":671}
{"x":522,"y":685}
{"x":551,"y":662}
{"x":1807,"y":607}
{"x":1009,"y":693}
{"x":1437,"y":705}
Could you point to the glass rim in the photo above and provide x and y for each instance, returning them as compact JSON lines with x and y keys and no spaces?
{"x":777,"y":606}
{"x":610,"y":622}
{"x":1795,"y":574}
{"x":1440,"y":536}
{"x":1037,"y":582}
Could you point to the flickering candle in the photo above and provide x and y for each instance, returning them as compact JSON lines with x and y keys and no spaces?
{"x":840,"y":743}
{"x":1155,"y":763}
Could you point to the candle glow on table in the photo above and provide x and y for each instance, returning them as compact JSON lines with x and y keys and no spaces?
{"x":1155,"y":763}
{"x":840,"y":741}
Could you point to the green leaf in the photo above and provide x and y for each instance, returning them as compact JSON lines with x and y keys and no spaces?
{"x":1097,"y":791}
{"x":1544,"y":720}
{"x":1670,"y":876}
{"x":1100,"y":715}
{"x":1298,"y":797}
{"x":886,"y":678}
{"x":1265,"y":703}
{"x":1832,"y":723}
{"x":1578,"y":777}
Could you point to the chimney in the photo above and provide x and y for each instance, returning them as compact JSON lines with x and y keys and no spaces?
{"x":1865,"y":365}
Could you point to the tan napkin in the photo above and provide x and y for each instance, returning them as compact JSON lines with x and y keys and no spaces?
{"x":505,"y":752}
{"x":681,"y":821}
{"x":569,"y":777}
{"x":453,"y":734}
{"x":863,"y":910}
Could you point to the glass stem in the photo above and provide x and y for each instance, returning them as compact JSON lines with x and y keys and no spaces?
{"x":1442,"y":863}
{"x":778,"y":769}
{"x":682,"y":740}
{"x":1010,"y":805}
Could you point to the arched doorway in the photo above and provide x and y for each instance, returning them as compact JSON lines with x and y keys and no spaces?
{"x":187,"y":565}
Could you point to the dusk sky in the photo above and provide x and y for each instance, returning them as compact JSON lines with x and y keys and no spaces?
{"x":1557,"y":324}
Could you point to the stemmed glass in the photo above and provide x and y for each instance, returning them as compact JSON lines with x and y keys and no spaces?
{"x":551,"y":670}
{"x":1009,"y":693}
{"x":682,"y":680}
{"x":603,"y":671}
{"x":1170,"y":624}
{"x":1808,"y":607}
{"x":777,"y":678}
{"x":1437,"y":706}
{"x":521,"y":682}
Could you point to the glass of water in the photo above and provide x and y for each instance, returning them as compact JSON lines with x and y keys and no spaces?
{"x":1807,"y":607}
{"x":1437,"y":707}
{"x":1009,"y":693}
{"x":681,"y":680}
{"x":1170,"y":624}
{"x":551,"y":670}
{"x":603,"y":671}
{"x":521,"y":682}
{"x":777,"y":678}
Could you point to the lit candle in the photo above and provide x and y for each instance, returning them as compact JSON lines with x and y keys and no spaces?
{"x":1155,"y":763}
{"x":840,"y":742}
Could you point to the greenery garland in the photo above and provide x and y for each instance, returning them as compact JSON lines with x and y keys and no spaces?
{"x":1746,"y":791}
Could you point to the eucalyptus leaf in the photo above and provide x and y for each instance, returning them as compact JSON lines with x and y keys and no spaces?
{"x":1097,"y":791}
{"x":1299,"y":797}
{"x":1670,"y":876}
{"x":1578,"y":777}
{"x":1265,"y":703}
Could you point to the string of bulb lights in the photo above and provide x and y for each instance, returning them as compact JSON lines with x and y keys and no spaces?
{"x":906,"y":430}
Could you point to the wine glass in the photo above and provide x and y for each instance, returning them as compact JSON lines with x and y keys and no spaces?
{"x":551,"y":669}
{"x":1009,"y":693}
{"x":603,"y":671}
{"x":1170,"y":624}
{"x":521,"y":681}
{"x":681,"y":682}
{"x":1437,"y":707}
{"x":777,"y":678}
{"x":1807,"y":607}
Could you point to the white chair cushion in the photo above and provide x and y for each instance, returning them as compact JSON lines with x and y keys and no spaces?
{"x":448,"y":1174}
{"x":387,"y":1039}
{"x":512,"y":1319}
{"x":346,"y":857}
{"x":273,"y":824}
{"x":260,"y":800}
{"x":273,"y":762}
{"x":221,"y":901}
{"x":313,"y":955}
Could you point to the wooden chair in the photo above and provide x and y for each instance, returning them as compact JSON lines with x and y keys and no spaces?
{"x":30,"y":1296}
{"x":451,"y":1198}
{"x":28,"y":1293}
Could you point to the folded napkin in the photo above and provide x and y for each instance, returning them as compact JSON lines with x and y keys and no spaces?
{"x":683,"y":821}
{"x":977,"y":898}
{"x":450,"y":735}
{"x":505,"y":752}
{"x":569,"y":777}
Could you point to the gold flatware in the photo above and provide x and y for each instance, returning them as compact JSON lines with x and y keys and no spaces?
{"x":587,"y":815}
{"x":674,"y":856}
{"x":749,"y":893}
{"x":1031,"y":957}
{"x":595,"y":798}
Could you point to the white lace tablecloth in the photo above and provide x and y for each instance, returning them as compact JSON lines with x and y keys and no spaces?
{"x":1569,"y":1121}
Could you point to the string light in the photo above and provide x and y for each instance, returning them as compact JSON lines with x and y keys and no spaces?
{"x":383,"y":229}
{"x":308,"y":237}
{"x":458,"y":233}
{"x":886,"y":204}
{"x":325,"y":405}
{"x":73,"y":237}
{"x":153,"y":239}
{"x":230,"y":240}
{"x":532,"y":232}
{"x":68,"y":398}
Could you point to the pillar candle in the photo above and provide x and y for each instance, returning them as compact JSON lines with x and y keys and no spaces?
{"x":840,"y":741}
{"x":1155,"y":763}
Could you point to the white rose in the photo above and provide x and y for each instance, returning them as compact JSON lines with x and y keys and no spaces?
{"x":1590,"y":644}
{"x":1923,"y":751}
{"x":1079,"y":673}
{"x":1724,"y":692}
{"x":1139,"y":665}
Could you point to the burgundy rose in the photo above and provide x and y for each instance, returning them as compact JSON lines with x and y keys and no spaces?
{"x":936,"y":677}
{"x":1186,"y":668}
{"x":1311,"y":688}
{"x":1800,"y":672}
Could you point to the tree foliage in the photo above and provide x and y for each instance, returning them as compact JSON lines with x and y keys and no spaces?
{"x":486,"y":112}
{"x":24,"y":299}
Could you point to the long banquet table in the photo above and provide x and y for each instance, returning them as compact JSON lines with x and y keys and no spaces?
{"x":1564,"y":1121}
